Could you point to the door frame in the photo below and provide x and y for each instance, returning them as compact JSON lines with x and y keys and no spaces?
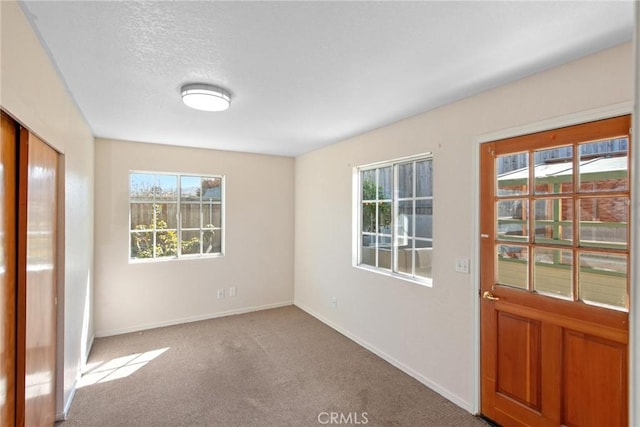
{"x":61,"y":409}
{"x":634,"y":297}
{"x":534,"y":127}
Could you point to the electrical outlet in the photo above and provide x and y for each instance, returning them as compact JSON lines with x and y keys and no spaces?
{"x":233,"y":291}
{"x":220,"y":293}
{"x":334,"y":302}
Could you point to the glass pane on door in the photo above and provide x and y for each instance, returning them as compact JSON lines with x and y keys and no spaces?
{"x":512,"y":174}
{"x":554,"y":221}
{"x":553,"y":272}
{"x":603,"y":222}
{"x":512,"y":223}
{"x":603,"y":279}
{"x":603,"y":166}
{"x":513,"y":266}
{"x":554,"y":170}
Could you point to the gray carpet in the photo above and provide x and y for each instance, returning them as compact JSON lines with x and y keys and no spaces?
{"x":279,"y":367}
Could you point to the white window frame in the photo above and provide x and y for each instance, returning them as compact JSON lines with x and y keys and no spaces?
{"x":178,"y":229}
{"x":394,"y":236}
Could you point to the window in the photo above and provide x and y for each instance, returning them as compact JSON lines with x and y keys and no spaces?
{"x":175,"y":216}
{"x":395,"y":217}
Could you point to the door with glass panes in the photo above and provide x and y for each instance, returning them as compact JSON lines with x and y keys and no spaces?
{"x":554,"y":222}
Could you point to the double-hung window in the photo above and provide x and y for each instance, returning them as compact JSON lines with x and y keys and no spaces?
{"x":174,"y":215}
{"x":395,"y":217}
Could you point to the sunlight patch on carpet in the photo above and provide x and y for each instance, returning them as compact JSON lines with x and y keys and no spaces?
{"x":118,"y":368}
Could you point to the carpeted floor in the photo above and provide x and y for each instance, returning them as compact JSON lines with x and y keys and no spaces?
{"x":278,"y":367}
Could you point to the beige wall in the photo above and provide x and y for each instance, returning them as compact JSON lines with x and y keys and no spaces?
{"x":258,"y":259}
{"x":428,"y":331}
{"x":33,"y":94}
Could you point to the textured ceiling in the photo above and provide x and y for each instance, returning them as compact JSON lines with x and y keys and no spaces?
{"x":302,"y":74}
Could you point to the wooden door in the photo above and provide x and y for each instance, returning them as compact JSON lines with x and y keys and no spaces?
{"x":37,"y":288}
{"x":554,"y":276}
{"x":8,"y":161}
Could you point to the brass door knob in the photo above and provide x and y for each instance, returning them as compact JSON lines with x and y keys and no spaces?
{"x":488,"y":295}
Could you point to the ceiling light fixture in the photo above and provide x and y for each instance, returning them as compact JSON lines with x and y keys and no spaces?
{"x":205,"y":97}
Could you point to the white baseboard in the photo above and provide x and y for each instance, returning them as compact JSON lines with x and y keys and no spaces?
{"x":404,"y":368}
{"x":110,"y":332}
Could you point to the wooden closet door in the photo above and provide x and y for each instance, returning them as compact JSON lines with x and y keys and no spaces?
{"x":40,"y":285}
{"x":8,"y":161}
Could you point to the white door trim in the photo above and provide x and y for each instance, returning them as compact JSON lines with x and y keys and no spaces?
{"x":634,"y":297}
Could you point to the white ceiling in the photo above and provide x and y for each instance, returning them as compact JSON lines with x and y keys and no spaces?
{"x":302,"y":74}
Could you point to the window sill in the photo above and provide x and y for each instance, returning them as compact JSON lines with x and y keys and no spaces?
{"x":175,"y":258}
